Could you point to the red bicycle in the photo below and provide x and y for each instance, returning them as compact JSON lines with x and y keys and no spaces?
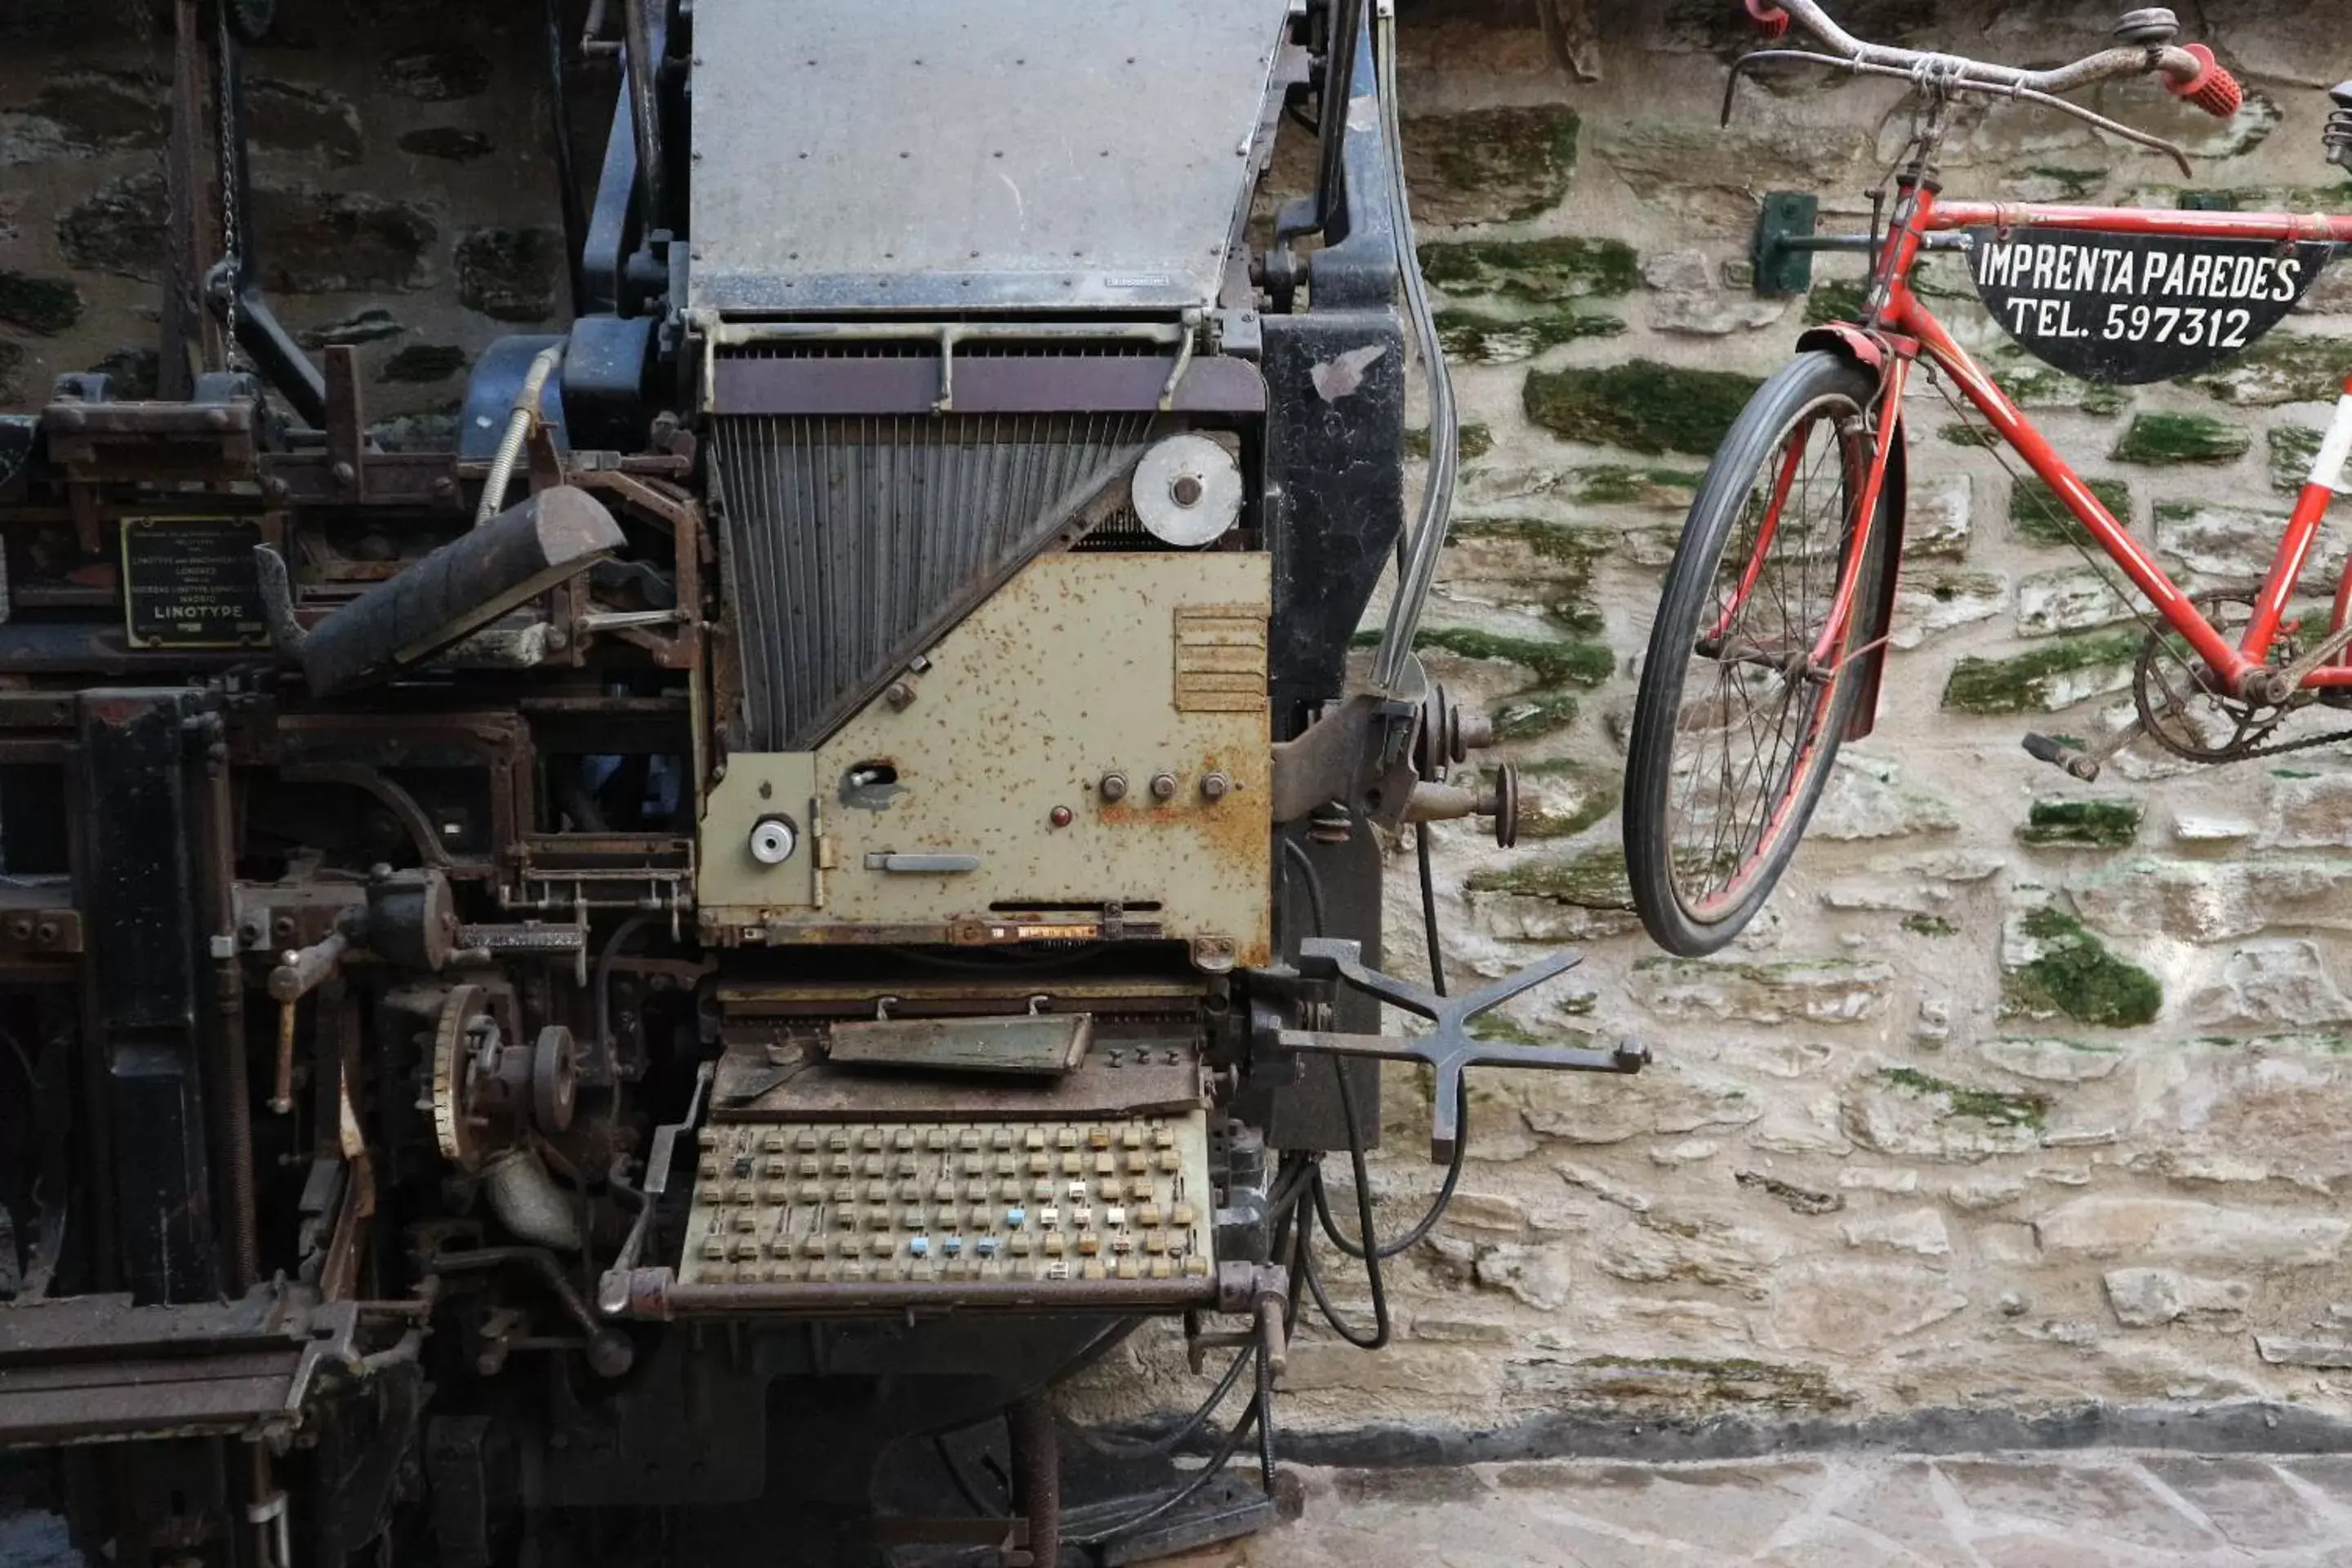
{"x":1771,"y":631}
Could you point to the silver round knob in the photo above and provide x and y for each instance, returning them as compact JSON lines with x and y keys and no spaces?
{"x":773,"y":840}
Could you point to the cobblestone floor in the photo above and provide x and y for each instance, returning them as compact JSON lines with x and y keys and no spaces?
{"x":2089,"y":1510}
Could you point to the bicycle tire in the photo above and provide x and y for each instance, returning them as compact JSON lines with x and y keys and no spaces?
{"x":1812,"y":388}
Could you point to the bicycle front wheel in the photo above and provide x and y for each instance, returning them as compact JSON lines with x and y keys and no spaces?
{"x":1751,"y":675}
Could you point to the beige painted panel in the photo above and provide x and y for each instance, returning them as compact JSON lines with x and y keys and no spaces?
{"x":1069,"y":673}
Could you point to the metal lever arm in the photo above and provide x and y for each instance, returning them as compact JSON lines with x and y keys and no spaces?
{"x":1449,"y":1047}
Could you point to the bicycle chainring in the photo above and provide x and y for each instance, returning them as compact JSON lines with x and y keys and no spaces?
{"x":2180,"y":705}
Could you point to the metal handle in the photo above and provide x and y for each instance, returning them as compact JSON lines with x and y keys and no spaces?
{"x":921,"y":865}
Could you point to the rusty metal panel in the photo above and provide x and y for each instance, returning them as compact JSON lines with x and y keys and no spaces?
{"x":996,"y":756}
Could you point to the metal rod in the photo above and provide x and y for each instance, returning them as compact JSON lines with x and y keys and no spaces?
{"x":644,"y":111}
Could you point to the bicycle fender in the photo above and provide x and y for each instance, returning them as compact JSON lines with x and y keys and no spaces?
{"x":1894,"y":507}
{"x":1845,"y":338}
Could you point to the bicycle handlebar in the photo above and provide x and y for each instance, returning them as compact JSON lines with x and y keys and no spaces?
{"x":2190,"y":73}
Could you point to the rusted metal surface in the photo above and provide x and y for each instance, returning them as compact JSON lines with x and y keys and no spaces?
{"x":96,"y":1369}
{"x":1043,"y":1043}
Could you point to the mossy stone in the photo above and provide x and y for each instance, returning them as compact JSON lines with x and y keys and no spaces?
{"x":2036,"y":515}
{"x":2083,"y":824}
{"x":1618,"y":484}
{"x":1989,"y":1106}
{"x":1641,"y":405}
{"x":1552,"y":662}
{"x":2078,"y":976}
{"x":1560,"y":798}
{"x":2035,"y":681}
{"x":2284,"y":367}
{"x":1490,"y":165}
{"x":45,"y":305}
{"x":1596,"y":879}
{"x":2174,"y":438}
{"x":1533,"y":271}
{"x":2031,"y":385}
{"x":1470,"y":439}
{"x":1471,"y":337}
{"x":424,"y":363}
{"x":510,"y":274}
{"x":1532,"y":715}
{"x":1961,"y":433}
{"x":2064,"y":184}
{"x":1929,"y":925}
{"x":2293,"y":450}
{"x":1833,"y":302}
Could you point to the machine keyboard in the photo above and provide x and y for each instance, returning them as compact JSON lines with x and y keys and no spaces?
{"x":951,"y":1201}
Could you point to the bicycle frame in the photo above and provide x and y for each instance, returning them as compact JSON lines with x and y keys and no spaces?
{"x":1898,"y":328}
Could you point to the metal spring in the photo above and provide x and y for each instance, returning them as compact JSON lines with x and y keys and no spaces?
{"x":2338,"y":137}
{"x":1331,"y":824}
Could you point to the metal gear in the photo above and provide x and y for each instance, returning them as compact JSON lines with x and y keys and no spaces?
{"x":554,"y":1079}
{"x":454,"y":1049}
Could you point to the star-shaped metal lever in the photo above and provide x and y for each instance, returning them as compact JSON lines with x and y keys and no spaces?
{"x":1448,"y":1047}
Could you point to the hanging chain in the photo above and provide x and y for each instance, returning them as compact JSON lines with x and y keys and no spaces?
{"x":230,"y":268}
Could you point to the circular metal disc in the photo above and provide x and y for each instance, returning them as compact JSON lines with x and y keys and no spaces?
{"x":1188,"y":490}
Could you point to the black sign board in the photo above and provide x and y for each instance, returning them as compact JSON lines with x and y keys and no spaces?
{"x":188,"y":581}
{"x":2137,"y":308}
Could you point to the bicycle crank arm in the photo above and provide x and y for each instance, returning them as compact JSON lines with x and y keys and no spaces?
{"x":1449,"y":1047}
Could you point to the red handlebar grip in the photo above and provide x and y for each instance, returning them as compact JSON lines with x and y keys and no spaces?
{"x":2212,"y":89}
{"x":1769,"y":19}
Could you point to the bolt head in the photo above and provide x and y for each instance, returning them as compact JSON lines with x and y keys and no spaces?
{"x":1113,"y":786}
{"x":901,"y":696}
{"x":1215,"y":786}
{"x":1059,"y":816}
{"x":1163,"y":786}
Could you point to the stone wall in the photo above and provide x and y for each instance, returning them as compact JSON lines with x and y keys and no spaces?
{"x":401,"y":191}
{"x":2022,"y":1093}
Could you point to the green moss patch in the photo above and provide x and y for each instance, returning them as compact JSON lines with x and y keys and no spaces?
{"x":1489,"y":165}
{"x":1595,"y":880}
{"x":2037,"y":682}
{"x":424,"y":363}
{"x":1641,"y":405}
{"x":1992,"y":1107}
{"x":1960,"y":432}
{"x":1473,"y":337}
{"x":1551,"y":662}
{"x":1471,"y":439}
{"x":2030,"y":384}
{"x":1534,"y":715}
{"x":1834,"y":302}
{"x":2284,"y":367}
{"x":2292,"y":449}
{"x":1929,"y":925}
{"x":1559,"y":799}
{"x":1616,"y":484}
{"x":2174,"y":438}
{"x":1533,"y":271}
{"x":2037,"y":516}
{"x":45,"y":305}
{"x":2083,"y":824}
{"x":2078,"y":976}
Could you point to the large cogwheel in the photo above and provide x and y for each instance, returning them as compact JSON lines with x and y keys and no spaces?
{"x":453,"y":1063}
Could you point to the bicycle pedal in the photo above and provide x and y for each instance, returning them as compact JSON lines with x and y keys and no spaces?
{"x":2059,"y":754}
